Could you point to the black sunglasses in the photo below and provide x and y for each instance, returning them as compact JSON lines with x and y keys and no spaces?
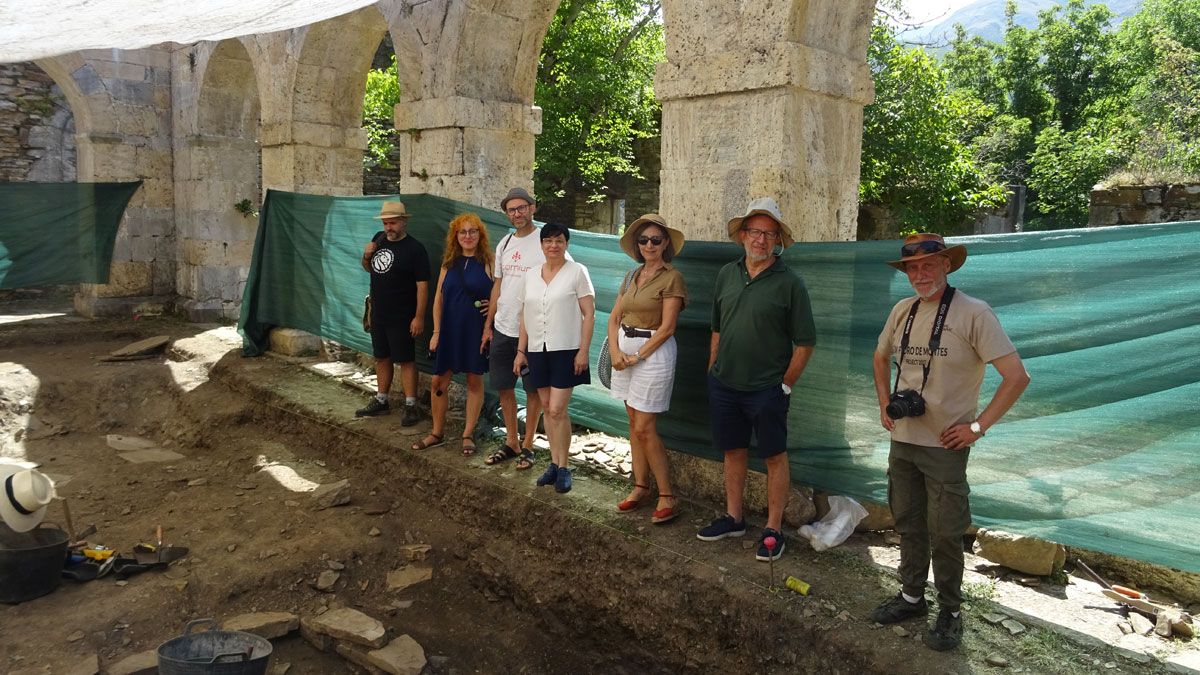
{"x":652,"y":239}
{"x":921,"y":247}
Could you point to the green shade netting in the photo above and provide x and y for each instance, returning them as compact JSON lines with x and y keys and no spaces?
{"x":1102,"y":451}
{"x":59,"y":233}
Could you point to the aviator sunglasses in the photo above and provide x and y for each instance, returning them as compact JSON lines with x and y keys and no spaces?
{"x":920,"y":247}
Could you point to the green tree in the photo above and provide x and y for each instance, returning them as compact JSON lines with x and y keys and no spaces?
{"x":1064,"y":167}
{"x":379,"y":106}
{"x":1076,"y":65}
{"x":595,"y":88}
{"x":914,"y":161}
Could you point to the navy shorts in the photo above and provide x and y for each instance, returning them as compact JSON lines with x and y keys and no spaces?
{"x":736,"y":414}
{"x":393,"y":341}
{"x":555,"y":369}
{"x":501,"y":353}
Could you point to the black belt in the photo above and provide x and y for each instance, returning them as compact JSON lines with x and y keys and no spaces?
{"x":636,"y":332}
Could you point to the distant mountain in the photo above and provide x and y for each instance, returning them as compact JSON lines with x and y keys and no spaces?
{"x":985,"y":18}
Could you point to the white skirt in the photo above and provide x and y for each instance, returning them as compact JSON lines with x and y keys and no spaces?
{"x":647,"y":385}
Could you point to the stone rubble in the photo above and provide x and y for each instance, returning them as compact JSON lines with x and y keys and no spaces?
{"x":269,"y":625}
{"x":350,"y":625}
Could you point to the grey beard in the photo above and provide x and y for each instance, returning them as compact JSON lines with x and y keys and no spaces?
{"x":931,"y":293}
{"x":757,"y":258}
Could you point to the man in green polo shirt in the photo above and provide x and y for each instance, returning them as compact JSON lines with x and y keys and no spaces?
{"x":762,"y":337}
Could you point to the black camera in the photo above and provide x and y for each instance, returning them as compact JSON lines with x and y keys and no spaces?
{"x":905,"y":403}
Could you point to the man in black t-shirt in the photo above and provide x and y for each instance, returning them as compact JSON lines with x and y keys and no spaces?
{"x":399,"y":269}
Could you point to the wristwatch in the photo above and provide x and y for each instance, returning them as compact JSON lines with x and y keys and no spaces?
{"x":976,"y":428}
{"x":787,"y":391}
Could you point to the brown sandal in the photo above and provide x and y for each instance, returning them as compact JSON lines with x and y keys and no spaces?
{"x":422,"y":445}
{"x":468,"y":446}
{"x":525,"y":459}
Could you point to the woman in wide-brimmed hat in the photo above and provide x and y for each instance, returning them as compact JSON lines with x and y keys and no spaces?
{"x":641,"y":339}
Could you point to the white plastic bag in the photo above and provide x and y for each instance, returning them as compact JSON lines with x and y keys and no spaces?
{"x":844,"y":514}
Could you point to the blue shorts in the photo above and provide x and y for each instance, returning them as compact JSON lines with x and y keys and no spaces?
{"x":736,"y":414}
{"x":555,"y":369}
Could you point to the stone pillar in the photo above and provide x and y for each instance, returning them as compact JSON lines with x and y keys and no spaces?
{"x":465,"y":148}
{"x":784,"y":121}
{"x":125,"y":135}
{"x":314,"y":158}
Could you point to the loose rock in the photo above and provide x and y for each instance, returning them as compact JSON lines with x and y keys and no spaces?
{"x":349,"y":624}
{"x":414,"y":552}
{"x":1141,"y":625}
{"x":329,"y":495}
{"x":197,"y":482}
{"x":76,"y":636}
{"x":994,"y":618}
{"x":374,"y":532}
{"x":901,"y":631}
{"x":326,"y":580}
{"x":402,"y":656}
{"x":408,"y":576}
{"x":997,"y":661}
{"x":142,"y":663}
{"x":269,"y":625}
{"x":1014,"y":627}
{"x":1020,"y":553}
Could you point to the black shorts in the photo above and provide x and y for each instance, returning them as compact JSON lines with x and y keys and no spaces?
{"x":555,"y":369}
{"x":735,"y":414}
{"x":500,"y":363}
{"x":393,"y":341}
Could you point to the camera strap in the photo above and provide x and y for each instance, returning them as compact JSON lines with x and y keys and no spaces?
{"x":935,"y":336}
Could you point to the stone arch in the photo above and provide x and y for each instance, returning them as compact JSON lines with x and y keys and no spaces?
{"x":326,"y":136}
{"x":219,"y":178}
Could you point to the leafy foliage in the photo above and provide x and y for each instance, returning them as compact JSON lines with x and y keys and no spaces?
{"x":914,"y":160}
{"x":379,"y":105}
{"x":595,"y":87}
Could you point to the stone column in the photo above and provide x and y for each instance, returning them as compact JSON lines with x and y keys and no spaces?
{"x":321,"y":159}
{"x":782,"y":121}
{"x":464,"y":148}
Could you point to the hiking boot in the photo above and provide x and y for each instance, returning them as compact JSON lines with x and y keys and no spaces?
{"x":898,"y":609}
{"x":411,"y":416}
{"x":722,"y":527}
{"x":562,"y":483}
{"x":374,"y":407}
{"x":548,"y":476}
{"x":946,"y":633}
{"x":765,"y":554}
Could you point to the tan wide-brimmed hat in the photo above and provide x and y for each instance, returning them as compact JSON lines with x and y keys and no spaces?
{"x":924,"y":244}
{"x":24,"y":496}
{"x":629,"y":239}
{"x":392,"y":210}
{"x":767,"y":207}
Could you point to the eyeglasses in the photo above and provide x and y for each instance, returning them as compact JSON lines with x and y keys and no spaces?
{"x":516,"y":210}
{"x":768,"y":235}
{"x":917,"y":248}
{"x":469,"y":233}
{"x":652,"y":239}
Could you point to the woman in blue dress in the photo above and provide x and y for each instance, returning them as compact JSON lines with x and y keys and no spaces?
{"x":459,"y":308}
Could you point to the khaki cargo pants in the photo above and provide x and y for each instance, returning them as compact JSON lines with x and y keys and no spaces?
{"x":927,"y":491}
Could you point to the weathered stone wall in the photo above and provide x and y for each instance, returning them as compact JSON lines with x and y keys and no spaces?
{"x":37,"y":129}
{"x":1134,"y":204}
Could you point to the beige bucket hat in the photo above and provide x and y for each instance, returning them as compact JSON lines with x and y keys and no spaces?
{"x":767,"y":207}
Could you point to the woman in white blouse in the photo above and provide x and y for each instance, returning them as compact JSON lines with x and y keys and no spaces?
{"x":557,"y":317}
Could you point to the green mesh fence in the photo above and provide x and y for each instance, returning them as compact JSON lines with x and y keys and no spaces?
{"x":59,"y":233}
{"x":1101,"y":452}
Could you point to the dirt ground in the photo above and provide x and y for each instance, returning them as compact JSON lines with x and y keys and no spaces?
{"x":507,"y":594}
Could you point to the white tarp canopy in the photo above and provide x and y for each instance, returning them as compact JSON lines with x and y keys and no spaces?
{"x":33,"y":30}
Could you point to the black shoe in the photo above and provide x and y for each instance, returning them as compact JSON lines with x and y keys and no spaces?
{"x":411,"y":416}
{"x":946,"y":633}
{"x":374,"y":407}
{"x":898,"y":609}
{"x":722,"y":527}
{"x":768,"y":554}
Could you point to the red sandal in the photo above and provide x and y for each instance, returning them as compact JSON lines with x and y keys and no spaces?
{"x":661,"y":516}
{"x":631,"y":504}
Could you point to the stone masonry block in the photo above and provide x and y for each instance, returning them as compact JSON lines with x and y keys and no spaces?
{"x":1021,"y":553}
{"x":295,"y":342}
{"x":311,"y":133}
{"x":346,"y":623}
{"x":126,"y":279}
{"x":269,"y":625}
{"x":142,"y":663}
{"x":437,"y":152}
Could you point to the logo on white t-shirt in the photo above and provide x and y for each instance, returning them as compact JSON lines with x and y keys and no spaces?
{"x":382,"y":261}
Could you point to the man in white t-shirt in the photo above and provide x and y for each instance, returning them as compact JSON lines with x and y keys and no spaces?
{"x":516,"y":254}
{"x":942,"y":340}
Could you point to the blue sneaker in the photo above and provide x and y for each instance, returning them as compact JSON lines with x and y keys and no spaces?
{"x":563,"y":482}
{"x":548,"y":476}
{"x":722,"y":527}
{"x":765,"y":554}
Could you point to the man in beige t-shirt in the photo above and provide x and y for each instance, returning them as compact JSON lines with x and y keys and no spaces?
{"x":931,"y":415}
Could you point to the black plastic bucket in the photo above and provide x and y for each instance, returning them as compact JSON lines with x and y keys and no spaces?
{"x":213,"y":652}
{"x":31,"y":562}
